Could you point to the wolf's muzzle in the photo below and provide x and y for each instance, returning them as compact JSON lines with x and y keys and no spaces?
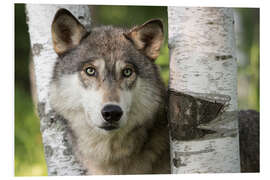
{"x":111,"y":113}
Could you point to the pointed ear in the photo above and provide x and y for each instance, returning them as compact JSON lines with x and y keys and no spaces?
{"x":147,"y":38}
{"x":67,"y":31}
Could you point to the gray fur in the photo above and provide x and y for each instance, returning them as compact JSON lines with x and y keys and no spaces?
{"x":141,"y":146}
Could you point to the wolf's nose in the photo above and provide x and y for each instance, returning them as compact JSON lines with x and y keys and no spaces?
{"x":111,"y":113}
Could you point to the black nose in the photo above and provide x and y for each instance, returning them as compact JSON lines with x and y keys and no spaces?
{"x":111,"y":113}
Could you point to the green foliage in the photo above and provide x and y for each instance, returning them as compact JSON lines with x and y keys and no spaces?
{"x":249,"y":69}
{"x":29,"y":157}
{"x":22,"y":48}
{"x":163,"y":62}
{"x":253,"y":69}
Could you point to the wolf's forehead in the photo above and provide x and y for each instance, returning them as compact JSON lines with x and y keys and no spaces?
{"x":108,"y":42}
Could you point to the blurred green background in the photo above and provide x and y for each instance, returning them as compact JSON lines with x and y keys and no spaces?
{"x":29,"y":157}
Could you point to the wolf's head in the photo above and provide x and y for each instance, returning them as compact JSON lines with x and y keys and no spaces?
{"x":106,"y":77}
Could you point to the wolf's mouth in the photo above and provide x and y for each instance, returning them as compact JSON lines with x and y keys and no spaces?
{"x":109,"y":127}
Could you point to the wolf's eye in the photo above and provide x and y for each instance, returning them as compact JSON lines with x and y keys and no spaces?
{"x":127,"y":72}
{"x":90,"y":71}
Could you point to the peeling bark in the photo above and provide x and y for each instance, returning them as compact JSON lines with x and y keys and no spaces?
{"x":203,"y":91}
{"x":55,"y":133}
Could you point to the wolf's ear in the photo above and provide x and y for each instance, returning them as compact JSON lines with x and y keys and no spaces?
{"x":67,"y":31}
{"x":147,"y":38}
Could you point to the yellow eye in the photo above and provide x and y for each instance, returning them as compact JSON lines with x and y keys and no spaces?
{"x":127,"y":72}
{"x":90,"y":71}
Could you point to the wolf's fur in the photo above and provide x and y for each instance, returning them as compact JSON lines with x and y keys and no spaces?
{"x":140,"y":143}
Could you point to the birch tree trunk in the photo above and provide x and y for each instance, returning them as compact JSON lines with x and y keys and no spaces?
{"x":203,"y":91}
{"x":55,"y":135}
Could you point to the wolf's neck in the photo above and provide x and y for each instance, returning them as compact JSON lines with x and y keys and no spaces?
{"x":112,"y":146}
{"x":124,"y":147}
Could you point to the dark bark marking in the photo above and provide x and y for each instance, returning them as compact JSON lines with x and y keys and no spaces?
{"x":81,"y":18}
{"x":41,"y":109}
{"x":177,"y":162}
{"x":50,"y":119}
{"x":210,"y":23}
{"x":177,"y":156}
{"x":188,"y":111}
{"x":180,"y":154}
{"x":48,"y":151}
{"x":36,"y":49}
{"x":223,"y":57}
{"x":68,"y":151}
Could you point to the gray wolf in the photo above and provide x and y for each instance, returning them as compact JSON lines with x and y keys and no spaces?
{"x":107,"y":86}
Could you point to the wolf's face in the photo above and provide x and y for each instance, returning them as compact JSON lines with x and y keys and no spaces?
{"x":106,"y":77}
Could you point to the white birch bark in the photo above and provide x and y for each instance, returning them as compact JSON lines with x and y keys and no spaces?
{"x":59,"y":157}
{"x":203,"y":71}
